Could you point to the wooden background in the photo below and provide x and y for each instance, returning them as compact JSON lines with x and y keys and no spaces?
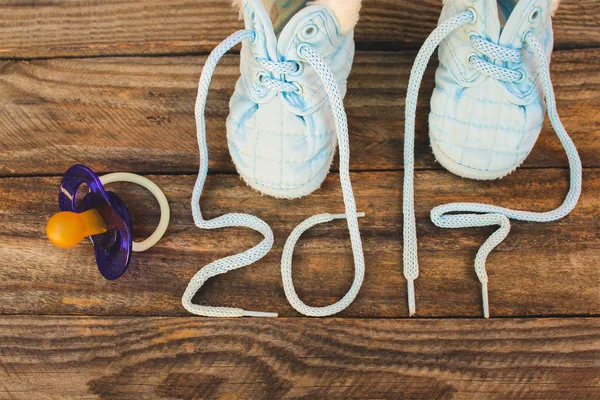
{"x":111,"y":83}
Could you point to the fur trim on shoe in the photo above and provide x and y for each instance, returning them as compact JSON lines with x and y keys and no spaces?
{"x":554,"y":6}
{"x":346,"y":11}
{"x":238,"y":6}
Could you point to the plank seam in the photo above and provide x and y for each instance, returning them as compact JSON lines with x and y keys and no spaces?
{"x":234,"y":173}
{"x":366,"y":47}
{"x":399,"y":47}
{"x":430,"y":318}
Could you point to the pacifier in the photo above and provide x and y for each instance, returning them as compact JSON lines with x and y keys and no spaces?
{"x":103,"y":217}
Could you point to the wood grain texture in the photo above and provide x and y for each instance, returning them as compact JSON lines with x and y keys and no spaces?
{"x":192,"y":358}
{"x":136,"y":114}
{"x":541,"y":269}
{"x":59,"y":28}
{"x":112,"y":83}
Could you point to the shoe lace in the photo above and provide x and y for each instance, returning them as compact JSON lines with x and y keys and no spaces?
{"x":499,"y":53}
{"x":247,"y":257}
{"x":466,"y":215}
{"x":278,"y":67}
{"x":244,"y":220}
{"x":341,"y":127}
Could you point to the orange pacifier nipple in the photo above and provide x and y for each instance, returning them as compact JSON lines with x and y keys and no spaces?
{"x":65,"y":229}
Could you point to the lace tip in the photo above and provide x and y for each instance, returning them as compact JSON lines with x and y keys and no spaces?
{"x":485,"y":300}
{"x":343,"y":216}
{"x":412,"y":307}
{"x":259,"y":314}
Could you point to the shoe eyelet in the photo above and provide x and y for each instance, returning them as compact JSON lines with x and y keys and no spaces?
{"x":522,"y":78}
{"x":524,"y":38}
{"x":299,"y":70}
{"x":473,"y":35}
{"x":535,"y":16}
{"x":253,"y":16}
{"x":470,"y":58}
{"x":299,"y":89}
{"x":309,"y":31}
{"x":472,"y":10}
{"x":300,"y":47}
{"x":259,"y":77}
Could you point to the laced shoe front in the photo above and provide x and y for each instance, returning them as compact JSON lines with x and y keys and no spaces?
{"x":487,"y":111}
{"x":280,"y":130}
{"x":286,"y":118}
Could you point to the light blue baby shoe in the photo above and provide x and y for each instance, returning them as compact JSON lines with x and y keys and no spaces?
{"x":281,"y":130}
{"x":487,"y":108}
{"x":492,"y":88}
{"x":286,"y":119}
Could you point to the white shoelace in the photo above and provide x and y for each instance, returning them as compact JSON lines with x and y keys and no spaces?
{"x":341,"y":127}
{"x":244,"y":220}
{"x":476,"y":214}
{"x":240,"y":260}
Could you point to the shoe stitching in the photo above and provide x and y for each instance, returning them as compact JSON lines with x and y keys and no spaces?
{"x":262,"y":131}
{"x":494,"y":151}
{"x":483,"y":126}
{"x":289,"y":186}
{"x":255,"y":144}
{"x":495,"y":137}
{"x":479,"y":99}
{"x":287,"y":161}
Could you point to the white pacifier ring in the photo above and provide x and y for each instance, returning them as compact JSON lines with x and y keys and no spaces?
{"x":165,"y":212}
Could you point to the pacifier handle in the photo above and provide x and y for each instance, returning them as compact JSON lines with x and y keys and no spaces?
{"x":165,"y":212}
{"x":67,"y":228}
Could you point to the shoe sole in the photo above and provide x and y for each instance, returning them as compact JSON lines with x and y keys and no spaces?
{"x":467,"y":172}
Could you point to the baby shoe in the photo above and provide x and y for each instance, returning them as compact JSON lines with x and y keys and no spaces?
{"x":487,"y":111}
{"x":286,"y":118}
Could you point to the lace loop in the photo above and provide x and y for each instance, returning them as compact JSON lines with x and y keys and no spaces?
{"x":286,"y":270}
{"x":476,"y":214}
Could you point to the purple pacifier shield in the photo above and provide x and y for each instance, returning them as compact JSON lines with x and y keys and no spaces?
{"x":113,"y":248}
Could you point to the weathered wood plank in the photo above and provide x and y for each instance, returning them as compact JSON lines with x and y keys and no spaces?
{"x":58,"y":28}
{"x":137,"y":113}
{"x":541,"y":269}
{"x":189,"y":358}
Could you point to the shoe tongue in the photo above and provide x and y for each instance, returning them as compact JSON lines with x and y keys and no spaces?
{"x":492,"y":20}
{"x":282,"y":11}
{"x":505,"y":9}
{"x":516,"y":22}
